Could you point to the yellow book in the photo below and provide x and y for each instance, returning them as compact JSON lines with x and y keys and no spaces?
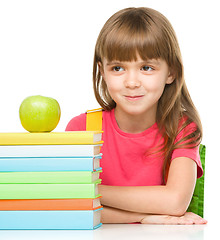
{"x":52,"y":138}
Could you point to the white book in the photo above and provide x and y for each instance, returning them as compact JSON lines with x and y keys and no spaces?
{"x":50,"y":150}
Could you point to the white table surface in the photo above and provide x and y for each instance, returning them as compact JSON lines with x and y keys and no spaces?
{"x":121,"y":231}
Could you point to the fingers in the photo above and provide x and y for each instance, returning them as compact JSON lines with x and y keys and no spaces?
{"x":188,"y":218}
{"x":196,"y":219}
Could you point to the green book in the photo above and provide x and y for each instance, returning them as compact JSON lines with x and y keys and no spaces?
{"x":50,"y":177}
{"x":49,"y":191}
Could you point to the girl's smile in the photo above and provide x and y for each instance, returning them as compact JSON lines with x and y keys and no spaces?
{"x":134,"y":98}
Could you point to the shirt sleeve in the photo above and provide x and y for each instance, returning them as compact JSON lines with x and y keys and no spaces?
{"x":192,"y":153}
{"x":77,"y":123}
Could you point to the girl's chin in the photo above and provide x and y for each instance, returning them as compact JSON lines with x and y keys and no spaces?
{"x":131,"y":110}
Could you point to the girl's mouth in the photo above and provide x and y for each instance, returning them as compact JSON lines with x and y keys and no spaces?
{"x":134,"y":98}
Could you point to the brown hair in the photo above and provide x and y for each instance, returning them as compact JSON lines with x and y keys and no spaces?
{"x":149,"y":34}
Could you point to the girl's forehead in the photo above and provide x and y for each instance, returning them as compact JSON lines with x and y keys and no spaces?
{"x":138,"y":58}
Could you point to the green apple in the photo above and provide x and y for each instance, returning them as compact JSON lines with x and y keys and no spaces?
{"x":39,"y":114}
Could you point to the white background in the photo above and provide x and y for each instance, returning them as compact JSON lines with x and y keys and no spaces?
{"x":47,"y":47}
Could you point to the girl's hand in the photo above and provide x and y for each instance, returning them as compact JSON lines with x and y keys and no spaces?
{"x":188,"y":218}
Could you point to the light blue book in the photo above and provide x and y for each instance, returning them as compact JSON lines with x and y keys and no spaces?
{"x":48,"y":220}
{"x":42,"y":164}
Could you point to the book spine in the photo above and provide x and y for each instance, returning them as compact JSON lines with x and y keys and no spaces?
{"x":48,"y":191}
{"x":49,"y":177}
{"x":34,"y":164}
{"x":49,"y":204}
{"x":43,"y":220}
{"x":50,"y":150}
{"x":54,"y":138}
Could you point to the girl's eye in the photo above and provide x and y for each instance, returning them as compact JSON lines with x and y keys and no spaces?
{"x":146,"y":68}
{"x":117,"y":69}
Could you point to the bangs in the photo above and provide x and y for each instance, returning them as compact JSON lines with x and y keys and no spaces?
{"x":133,"y":36}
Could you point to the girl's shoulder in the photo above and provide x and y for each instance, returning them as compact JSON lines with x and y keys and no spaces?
{"x":77,"y":123}
{"x":186,"y":127}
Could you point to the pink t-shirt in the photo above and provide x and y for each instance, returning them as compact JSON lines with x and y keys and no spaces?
{"x":124,"y":161}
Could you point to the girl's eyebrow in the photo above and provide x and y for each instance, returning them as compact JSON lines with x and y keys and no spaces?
{"x":149,"y":61}
{"x":113,"y":63}
{"x":152,"y":61}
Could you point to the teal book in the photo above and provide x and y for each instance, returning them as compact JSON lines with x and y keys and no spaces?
{"x":50,"y":220}
{"x":49,"y":191}
{"x":50,"y":177}
{"x":45,"y":164}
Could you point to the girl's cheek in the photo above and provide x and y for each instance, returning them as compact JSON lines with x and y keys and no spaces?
{"x":156,"y":85}
{"x":153,"y":87}
{"x":113,"y":85}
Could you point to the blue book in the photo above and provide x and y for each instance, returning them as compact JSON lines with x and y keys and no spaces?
{"x":48,"y":220}
{"x":42,"y":164}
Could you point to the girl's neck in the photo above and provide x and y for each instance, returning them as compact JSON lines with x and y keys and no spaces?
{"x":130,"y":123}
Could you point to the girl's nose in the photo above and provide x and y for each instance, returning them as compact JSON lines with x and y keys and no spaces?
{"x":132,"y":80}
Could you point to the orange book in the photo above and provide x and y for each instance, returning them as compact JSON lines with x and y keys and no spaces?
{"x":50,"y":204}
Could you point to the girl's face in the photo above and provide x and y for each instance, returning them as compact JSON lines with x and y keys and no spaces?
{"x":136,"y":86}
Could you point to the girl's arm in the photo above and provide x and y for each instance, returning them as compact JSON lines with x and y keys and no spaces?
{"x":170,"y":199}
{"x":114,"y":215}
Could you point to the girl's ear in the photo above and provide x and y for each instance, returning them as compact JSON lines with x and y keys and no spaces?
{"x":101,"y":69}
{"x":171,"y":77}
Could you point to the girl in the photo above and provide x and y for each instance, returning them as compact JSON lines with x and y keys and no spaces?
{"x":152,"y":130}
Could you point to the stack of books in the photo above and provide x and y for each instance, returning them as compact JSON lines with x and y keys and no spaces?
{"x":50,"y":180}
